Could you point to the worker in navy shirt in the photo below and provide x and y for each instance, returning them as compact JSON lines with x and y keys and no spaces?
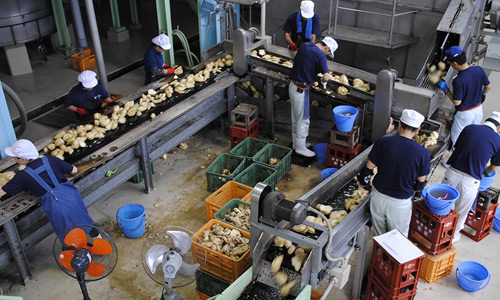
{"x":45,"y":178}
{"x":301,"y":26}
{"x":402,"y":168}
{"x":88,"y":96}
{"x":153,"y":59}
{"x":309,"y":61}
{"x":470,"y":87}
{"x":476,"y":145}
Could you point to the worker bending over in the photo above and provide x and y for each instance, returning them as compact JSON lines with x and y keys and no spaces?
{"x":402,"y":168}
{"x":153,"y":59}
{"x":301,"y":26}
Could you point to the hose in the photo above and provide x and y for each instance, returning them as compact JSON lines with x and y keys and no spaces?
{"x":330,"y":236}
{"x":20,"y":108}
{"x":185,"y":45}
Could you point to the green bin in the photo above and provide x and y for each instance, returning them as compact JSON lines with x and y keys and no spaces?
{"x":228,"y":208}
{"x":284,"y":154}
{"x":256,"y":173}
{"x":248,"y":148}
{"x":215,"y":179}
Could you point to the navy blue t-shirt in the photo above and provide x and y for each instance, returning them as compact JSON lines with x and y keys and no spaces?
{"x":475,"y":146}
{"x":90,"y":100}
{"x":400,"y":161}
{"x":153,"y":61}
{"x":308,"y":62}
{"x":291,"y":27}
{"x":468,"y":87}
{"x":22,"y":181}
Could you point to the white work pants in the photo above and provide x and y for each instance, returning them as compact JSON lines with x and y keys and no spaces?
{"x":389,"y":213}
{"x":468,"y":187}
{"x":464,"y":118}
{"x":300,"y":125}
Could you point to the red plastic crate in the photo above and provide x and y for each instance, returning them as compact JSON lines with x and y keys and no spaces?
{"x":478,"y":225}
{"x":339,"y":156}
{"x":406,"y":288}
{"x":426,"y":245}
{"x":376,"y":291}
{"x":436,"y":229}
{"x":238,"y":133}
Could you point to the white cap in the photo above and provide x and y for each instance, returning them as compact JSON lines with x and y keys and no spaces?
{"x":331,"y":43}
{"x":22,"y":149}
{"x":495,"y":117}
{"x":307,"y":9}
{"x":162,"y":41}
{"x":88,"y":79}
{"x":412,"y":118}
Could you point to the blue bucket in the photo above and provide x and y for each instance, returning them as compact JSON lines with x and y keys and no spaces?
{"x":440,"y":198}
{"x":131,"y":218}
{"x":320,"y":150}
{"x":328,"y":172}
{"x":486,"y":182}
{"x":472,"y":276}
{"x":496,"y":222}
{"x":344,"y":117}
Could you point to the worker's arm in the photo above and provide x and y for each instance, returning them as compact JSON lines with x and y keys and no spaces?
{"x":72,"y":107}
{"x":2,"y":193}
{"x":486,"y":89}
{"x":326,"y":76}
{"x":490,"y":170}
{"x":74,"y":171}
{"x":288,"y":38}
{"x":313,"y":38}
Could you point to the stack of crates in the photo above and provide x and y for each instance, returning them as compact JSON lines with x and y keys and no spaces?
{"x":244,"y":123}
{"x":276,"y":157}
{"x":223,"y":169}
{"x":395,"y":268}
{"x":230,"y":190}
{"x":343,"y":147}
{"x":478,"y":225}
{"x":208,"y":285}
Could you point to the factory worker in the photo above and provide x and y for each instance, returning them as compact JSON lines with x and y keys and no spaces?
{"x":45,"y":178}
{"x":309,"y":61}
{"x":153,"y":59}
{"x":301,"y":26}
{"x":402,"y":168}
{"x":88,"y":96}
{"x":476,"y":145}
{"x":470,"y":87}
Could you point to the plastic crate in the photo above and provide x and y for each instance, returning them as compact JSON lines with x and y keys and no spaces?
{"x":439,"y":266}
{"x":479,"y":224}
{"x":437,"y":229}
{"x":215,"y":179}
{"x":346,"y":139}
{"x":315,"y":295}
{"x":284,"y":154}
{"x":248,"y":148}
{"x":84,"y":60}
{"x":376,"y":291}
{"x":487,"y":198}
{"x":208,"y":284}
{"x":426,"y":245}
{"x":230,"y":190}
{"x":238,"y":133}
{"x":228,"y":208}
{"x":218,"y":264}
{"x":139,"y":176}
{"x":339,"y":156}
{"x":201,"y":296}
{"x":256,"y":173}
{"x":244,"y":115}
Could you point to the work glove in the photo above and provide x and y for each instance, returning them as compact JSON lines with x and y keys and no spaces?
{"x":442,"y":85}
{"x":170,"y":70}
{"x":418,"y":186}
{"x":294,"y":47}
{"x":364,"y":177}
{"x":81,"y":111}
{"x":165,"y":66}
{"x":483,"y":98}
{"x":324,"y":84}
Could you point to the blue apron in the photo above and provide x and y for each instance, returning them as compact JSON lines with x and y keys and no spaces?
{"x":62,"y":204}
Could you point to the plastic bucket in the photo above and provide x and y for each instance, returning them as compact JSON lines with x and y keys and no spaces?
{"x":131,"y":218}
{"x":496,"y":222}
{"x":320,"y":150}
{"x":440,"y":198}
{"x":486,"y":182}
{"x":344,"y":117}
{"x":472,"y":276}
{"x":328,"y":172}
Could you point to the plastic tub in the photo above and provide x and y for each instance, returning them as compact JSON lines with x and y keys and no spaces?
{"x":486,"y":182}
{"x":440,"y":198}
{"x":132,"y":220}
{"x":496,"y":222}
{"x":328,"y":172}
{"x":472,"y":276}
{"x":320,"y":150}
{"x":344,"y":117}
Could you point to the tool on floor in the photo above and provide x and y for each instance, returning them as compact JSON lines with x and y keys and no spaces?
{"x":170,"y":248}
{"x":78,"y":253}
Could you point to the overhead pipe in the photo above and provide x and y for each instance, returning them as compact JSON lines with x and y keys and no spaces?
{"x":77,"y":18}
{"x":263,"y":19}
{"x":94,"y":33}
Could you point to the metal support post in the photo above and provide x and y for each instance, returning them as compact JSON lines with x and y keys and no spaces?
{"x":165,"y":26}
{"x":230,"y":101}
{"x":360,"y":262}
{"x":94,"y":32}
{"x":115,"y":17}
{"x":77,"y":18}
{"x":16,"y":249}
{"x":146,"y":164}
{"x":62,"y":28}
{"x":269,"y":108}
{"x":135,"y":16}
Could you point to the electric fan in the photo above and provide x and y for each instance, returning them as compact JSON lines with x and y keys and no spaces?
{"x":77,"y":253}
{"x":170,"y":247}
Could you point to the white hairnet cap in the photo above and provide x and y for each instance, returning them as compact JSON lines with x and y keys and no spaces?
{"x":307,"y":9}
{"x":332,"y":44}
{"x":22,"y":149}
{"x":88,"y":79}
{"x":162,"y":41}
{"x":495,"y":117}
{"x":412,"y":118}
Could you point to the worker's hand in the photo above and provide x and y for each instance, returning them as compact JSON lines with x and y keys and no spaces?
{"x":165,"y":66}
{"x":442,"y":85}
{"x":294,"y":47}
{"x":483,"y":98}
{"x":81,"y":111}
{"x":364,"y":177}
{"x":391,"y":125}
{"x":170,"y":70}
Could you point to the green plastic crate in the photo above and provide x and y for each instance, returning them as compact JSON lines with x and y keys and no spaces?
{"x":209,"y":284}
{"x":284,"y":154}
{"x":256,"y":173}
{"x":139,"y":176}
{"x":215,"y":179}
{"x":228,"y":208}
{"x":248,"y":148}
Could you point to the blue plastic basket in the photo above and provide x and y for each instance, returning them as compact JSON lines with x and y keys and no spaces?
{"x":472,"y":276}
{"x":344,"y":117}
{"x":496,"y":222}
{"x":440,"y":198}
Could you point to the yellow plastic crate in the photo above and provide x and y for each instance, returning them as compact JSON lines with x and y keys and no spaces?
{"x":438,"y":266}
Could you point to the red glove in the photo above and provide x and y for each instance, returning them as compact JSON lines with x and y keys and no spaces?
{"x":164,"y":66}
{"x":81,"y":111}
{"x":170,"y":70}
{"x":293,"y":47}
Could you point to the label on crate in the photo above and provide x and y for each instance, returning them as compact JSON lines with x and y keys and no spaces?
{"x":399,"y":247}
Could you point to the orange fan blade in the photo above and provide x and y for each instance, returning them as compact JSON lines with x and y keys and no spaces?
{"x":101,"y":247}
{"x":65,"y":258}
{"x":94,"y":269}
{"x":76,"y":238}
